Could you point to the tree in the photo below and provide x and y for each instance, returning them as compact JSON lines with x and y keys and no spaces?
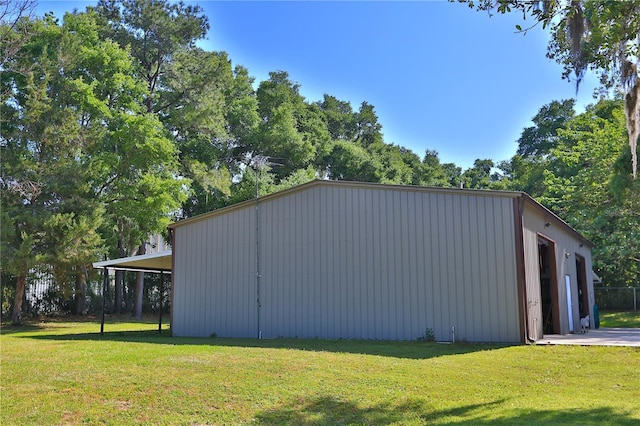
{"x":242,"y":117}
{"x":525,"y":170}
{"x":45,"y":140}
{"x":368,"y":130}
{"x":599,"y":35}
{"x":398,"y":165}
{"x":590,"y":185}
{"x":279,"y":90}
{"x":136,"y":162}
{"x":279,"y":138}
{"x":431,"y":172}
{"x":478,"y":176}
{"x":281,"y":133}
{"x":582,"y":171}
{"x":29,"y":150}
{"x":161,"y":37}
{"x":80,"y":144}
{"x":452,"y":174}
{"x":339,"y":118}
{"x":140,"y":185}
{"x":155,"y":31}
{"x":349,"y":161}
{"x":315,"y":132}
{"x":245,"y":189}
{"x":18,"y":257}
{"x":15,"y":16}
{"x":524,"y":174}
{"x":201,"y":88}
{"x":70,"y":244}
{"x":539,"y":139}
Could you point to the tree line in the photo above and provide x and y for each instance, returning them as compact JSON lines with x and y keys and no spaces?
{"x":115,"y":123}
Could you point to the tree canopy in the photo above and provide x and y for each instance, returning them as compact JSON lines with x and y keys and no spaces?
{"x":584,"y":176}
{"x":598,"y":35}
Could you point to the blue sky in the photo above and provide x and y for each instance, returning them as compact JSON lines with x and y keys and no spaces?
{"x":440,"y":75}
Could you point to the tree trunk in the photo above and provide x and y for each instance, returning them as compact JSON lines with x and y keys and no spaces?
{"x":117,"y":292}
{"x":17,"y":300}
{"x":137,"y":307}
{"x":119,"y":284}
{"x":81,"y":292}
{"x":127,"y":294}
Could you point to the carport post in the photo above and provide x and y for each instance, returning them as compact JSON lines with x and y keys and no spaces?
{"x":161,"y":299}
{"x":105,"y":283}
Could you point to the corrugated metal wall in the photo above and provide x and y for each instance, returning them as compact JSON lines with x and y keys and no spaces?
{"x":361,"y":262}
{"x":534,"y":226}
{"x":214,"y":277}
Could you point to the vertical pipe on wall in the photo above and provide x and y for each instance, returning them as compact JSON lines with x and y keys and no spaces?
{"x":258,"y":249}
{"x":172,"y":240}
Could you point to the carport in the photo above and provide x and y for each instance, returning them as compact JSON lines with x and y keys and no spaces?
{"x":159,"y":263}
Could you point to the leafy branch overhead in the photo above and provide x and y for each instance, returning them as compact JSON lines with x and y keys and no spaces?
{"x":598,"y":35}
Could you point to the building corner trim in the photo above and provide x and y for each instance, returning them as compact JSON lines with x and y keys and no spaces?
{"x":518,"y":211}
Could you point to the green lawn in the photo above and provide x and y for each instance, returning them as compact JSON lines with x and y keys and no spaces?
{"x":620,"y":319}
{"x":66,"y":373}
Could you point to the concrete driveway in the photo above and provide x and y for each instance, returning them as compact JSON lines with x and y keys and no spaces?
{"x":601,"y":337}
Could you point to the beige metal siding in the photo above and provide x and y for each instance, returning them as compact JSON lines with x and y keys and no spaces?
{"x":565,"y":242}
{"x":214,"y":279}
{"x":353,"y":262}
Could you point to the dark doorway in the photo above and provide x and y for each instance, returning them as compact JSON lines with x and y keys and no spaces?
{"x":583,"y":292}
{"x":548,"y":286}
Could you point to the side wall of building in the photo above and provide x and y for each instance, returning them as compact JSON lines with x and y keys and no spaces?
{"x":540,"y":226}
{"x":214,"y":277}
{"x":352,"y":262}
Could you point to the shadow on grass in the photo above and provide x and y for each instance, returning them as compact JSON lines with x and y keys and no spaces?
{"x":52,"y":323}
{"x":22,"y":328}
{"x":45,"y":322}
{"x":404,"y":349}
{"x":329,"y":410}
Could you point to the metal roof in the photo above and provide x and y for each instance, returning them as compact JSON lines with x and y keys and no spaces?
{"x":344,"y":183}
{"x":334,"y":183}
{"x":156,"y":262}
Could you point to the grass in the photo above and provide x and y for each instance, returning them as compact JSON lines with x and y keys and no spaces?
{"x":66,"y":373}
{"x":620,"y":319}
